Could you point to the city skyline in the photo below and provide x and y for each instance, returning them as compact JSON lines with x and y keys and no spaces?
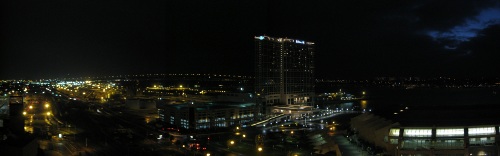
{"x":361,"y":39}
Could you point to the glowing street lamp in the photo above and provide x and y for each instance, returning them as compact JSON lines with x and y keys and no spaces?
{"x":232,"y":142}
{"x":259,"y":149}
{"x":47,"y":105}
{"x":48,"y":113}
{"x":24,"y":113}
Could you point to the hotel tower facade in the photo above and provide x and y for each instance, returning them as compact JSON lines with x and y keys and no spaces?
{"x":284,"y":71}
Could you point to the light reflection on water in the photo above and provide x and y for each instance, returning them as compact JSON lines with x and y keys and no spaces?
{"x":364,"y":104}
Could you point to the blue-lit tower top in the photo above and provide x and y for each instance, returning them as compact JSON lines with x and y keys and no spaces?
{"x":283,"y":40}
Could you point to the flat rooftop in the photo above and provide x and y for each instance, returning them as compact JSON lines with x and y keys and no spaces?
{"x":211,"y":105}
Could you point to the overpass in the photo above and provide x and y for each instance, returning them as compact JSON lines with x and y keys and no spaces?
{"x":279,"y":117}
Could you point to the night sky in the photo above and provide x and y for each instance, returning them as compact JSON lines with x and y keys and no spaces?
{"x":354,"y":38}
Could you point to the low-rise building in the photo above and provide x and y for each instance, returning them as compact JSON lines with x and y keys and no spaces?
{"x":208,"y":115}
{"x":428,"y":132}
{"x":140,"y":103}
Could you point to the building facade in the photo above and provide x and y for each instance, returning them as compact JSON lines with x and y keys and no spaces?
{"x":284,"y":71}
{"x":431,"y":140}
{"x":207,"y":115}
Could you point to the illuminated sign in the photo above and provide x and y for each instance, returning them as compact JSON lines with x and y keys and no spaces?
{"x":261,"y":37}
{"x":299,"y":41}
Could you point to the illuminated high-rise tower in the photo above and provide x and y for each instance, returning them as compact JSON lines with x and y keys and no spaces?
{"x":284,"y":71}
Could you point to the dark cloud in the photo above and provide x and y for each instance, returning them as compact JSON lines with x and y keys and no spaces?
{"x":482,"y":53}
{"x":445,"y":14}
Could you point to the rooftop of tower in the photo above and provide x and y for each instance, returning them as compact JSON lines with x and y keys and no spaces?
{"x":283,"y":40}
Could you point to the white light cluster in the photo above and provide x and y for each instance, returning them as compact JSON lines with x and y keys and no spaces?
{"x":450,"y":132}
{"x":481,"y":131}
{"x":394,"y":132}
{"x":417,"y":133}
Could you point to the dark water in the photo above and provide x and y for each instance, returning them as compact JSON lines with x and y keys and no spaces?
{"x":391,"y":99}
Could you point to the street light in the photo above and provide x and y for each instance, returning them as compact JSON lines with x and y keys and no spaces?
{"x":259,"y":149}
{"x":47,"y":105}
{"x":232,"y":142}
